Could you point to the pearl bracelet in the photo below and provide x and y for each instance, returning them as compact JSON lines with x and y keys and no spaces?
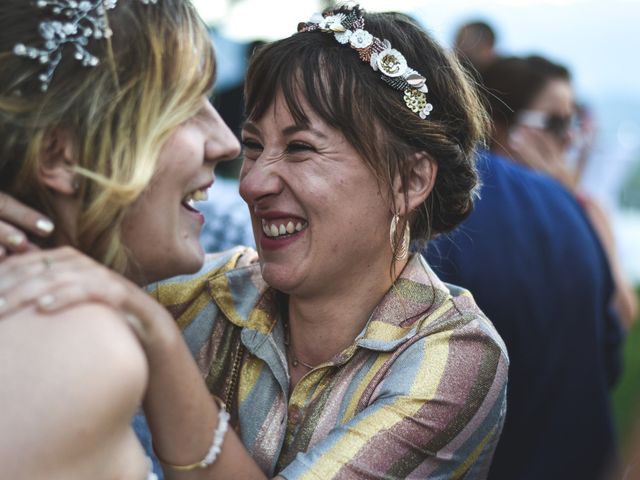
{"x":216,"y":444}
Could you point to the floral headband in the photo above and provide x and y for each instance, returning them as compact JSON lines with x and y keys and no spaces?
{"x":74,"y":23}
{"x":347,"y":25}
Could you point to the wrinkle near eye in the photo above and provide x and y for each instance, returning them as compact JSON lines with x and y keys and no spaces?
{"x":267,"y":158}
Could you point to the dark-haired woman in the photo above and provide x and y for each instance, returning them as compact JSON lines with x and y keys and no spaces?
{"x":537,"y":269}
{"x":339,"y":354}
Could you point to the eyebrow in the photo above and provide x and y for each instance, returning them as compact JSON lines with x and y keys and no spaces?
{"x":290,"y":130}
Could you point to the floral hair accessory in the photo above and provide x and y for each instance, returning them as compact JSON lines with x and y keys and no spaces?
{"x":347,"y":25}
{"x":74,"y":23}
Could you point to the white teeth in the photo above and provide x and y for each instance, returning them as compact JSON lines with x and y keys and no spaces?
{"x":276,"y":230}
{"x":200,"y":195}
{"x":196,"y":196}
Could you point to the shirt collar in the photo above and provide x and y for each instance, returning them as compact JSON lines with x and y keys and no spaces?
{"x":248,"y":302}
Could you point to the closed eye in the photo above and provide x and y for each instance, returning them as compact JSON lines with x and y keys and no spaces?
{"x":299,"y":147}
{"x":249,"y":144}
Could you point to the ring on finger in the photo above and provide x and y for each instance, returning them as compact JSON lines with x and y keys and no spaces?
{"x":15,"y":239}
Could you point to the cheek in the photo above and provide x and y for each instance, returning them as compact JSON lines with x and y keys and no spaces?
{"x":184,"y":147}
{"x":357,"y":212}
{"x":152,"y":219}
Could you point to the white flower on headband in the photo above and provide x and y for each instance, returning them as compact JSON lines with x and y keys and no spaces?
{"x":390,"y":62}
{"x":343,"y":37}
{"x":360,"y":39}
{"x":426,"y":111}
{"x":316,"y":18}
{"x":333,"y":22}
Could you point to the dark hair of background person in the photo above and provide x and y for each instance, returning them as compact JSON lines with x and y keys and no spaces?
{"x":474,"y":45}
{"x":482,"y":32}
{"x":512,"y":83}
{"x":230,"y":106}
{"x":350,"y":96}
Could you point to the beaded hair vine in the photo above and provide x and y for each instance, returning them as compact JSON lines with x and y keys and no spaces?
{"x":74,"y":23}
{"x":347,"y":25}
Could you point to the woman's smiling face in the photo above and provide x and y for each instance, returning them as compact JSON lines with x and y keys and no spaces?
{"x":319,"y":217}
{"x":162,"y":229}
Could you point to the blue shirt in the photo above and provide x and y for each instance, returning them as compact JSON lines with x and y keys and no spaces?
{"x":536,"y":268}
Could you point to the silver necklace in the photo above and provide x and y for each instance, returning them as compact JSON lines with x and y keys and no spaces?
{"x":295,"y":361}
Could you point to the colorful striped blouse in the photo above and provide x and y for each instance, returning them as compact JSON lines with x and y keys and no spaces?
{"x":419,"y":394}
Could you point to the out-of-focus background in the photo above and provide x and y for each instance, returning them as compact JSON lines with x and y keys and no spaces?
{"x":597,"y":40}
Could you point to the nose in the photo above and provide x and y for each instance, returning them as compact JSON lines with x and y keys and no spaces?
{"x":222,"y":144}
{"x":259,"y":180}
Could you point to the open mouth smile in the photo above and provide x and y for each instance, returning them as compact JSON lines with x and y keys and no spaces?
{"x":282,"y":228}
{"x":200,"y":195}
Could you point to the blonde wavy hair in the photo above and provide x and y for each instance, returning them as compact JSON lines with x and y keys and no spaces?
{"x":152,"y":76}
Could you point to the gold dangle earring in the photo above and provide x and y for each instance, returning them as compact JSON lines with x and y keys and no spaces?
{"x":401,"y":252}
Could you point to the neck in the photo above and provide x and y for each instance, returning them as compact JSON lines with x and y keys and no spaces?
{"x":323,"y":325}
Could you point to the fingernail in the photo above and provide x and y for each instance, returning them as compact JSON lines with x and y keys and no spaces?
{"x":44,"y":225}
{"x":46,"y":300}
{"x":3,"y":303}
{"x":15,"y":239}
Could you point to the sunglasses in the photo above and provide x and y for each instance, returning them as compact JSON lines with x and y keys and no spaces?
{"x":557,"y":125}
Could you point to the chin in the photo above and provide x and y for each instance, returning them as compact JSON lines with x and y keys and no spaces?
{"x":188,"y":262}
{"x":278,"y":278}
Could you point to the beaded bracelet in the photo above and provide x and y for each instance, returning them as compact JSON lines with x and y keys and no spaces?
{"x":216,"y":444}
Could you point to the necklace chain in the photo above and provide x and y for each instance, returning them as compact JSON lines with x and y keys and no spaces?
{"x":295,"y":361}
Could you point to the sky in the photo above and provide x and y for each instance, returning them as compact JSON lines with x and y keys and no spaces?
{"x":597,"y":39}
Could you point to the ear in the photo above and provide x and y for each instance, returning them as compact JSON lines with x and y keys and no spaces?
{"x":57,"y":163}
{"x":420,"y":182}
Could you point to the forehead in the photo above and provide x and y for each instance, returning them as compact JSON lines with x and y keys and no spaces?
{"x":283,"y":113}
{"x":556,"y":96}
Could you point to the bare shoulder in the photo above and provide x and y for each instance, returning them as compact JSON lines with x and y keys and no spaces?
{"x":88,"y":340}
{"x":76,"y":378}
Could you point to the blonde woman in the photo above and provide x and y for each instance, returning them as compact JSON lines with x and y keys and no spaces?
{"x":101,"y":146}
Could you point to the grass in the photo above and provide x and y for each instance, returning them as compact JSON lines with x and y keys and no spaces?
{"x":626,"y":396}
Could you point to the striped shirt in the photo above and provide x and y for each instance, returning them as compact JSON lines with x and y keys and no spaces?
{"x":419,"y":394}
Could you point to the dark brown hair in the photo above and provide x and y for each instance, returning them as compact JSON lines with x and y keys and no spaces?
{"x":513,"y":83}
{"x":349,"y":95}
